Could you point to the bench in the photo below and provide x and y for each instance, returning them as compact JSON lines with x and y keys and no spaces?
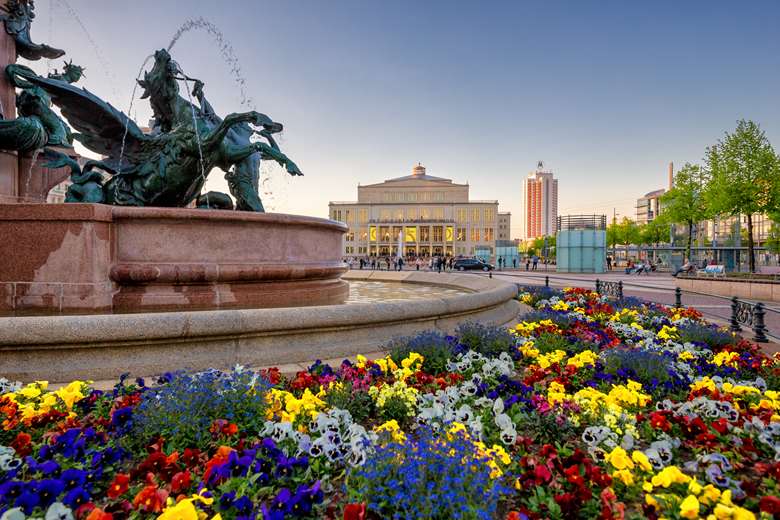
{"x":712,"y":270}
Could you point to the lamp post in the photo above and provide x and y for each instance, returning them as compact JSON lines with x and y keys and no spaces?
{"x":614,"y":238}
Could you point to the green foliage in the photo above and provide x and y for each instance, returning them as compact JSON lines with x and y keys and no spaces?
{"x":485,"y":339}
{"x":773,"y":238}
{"x":745,"y":176}
{"x":656,"y":231}
{"x":625,"y":233}
{"x":395,"y":410}
{"x":687,"y":203}
{"x":432,"y":346}
{"x":357,"y":402}
{"x":548,"y":342}
{"x":182,"y":410}
{"x":538,"y":245}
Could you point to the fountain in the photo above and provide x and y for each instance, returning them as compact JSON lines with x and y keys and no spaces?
{"x":132,"y":274}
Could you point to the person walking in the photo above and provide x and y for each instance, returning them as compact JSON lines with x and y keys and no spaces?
{"x":400,"y":263}
{"x":417,"y":263}
{"x":439,"y":261}
{"x":514,"y":262}
{"x":609,"y":263}
{"x":527,"y":263}
{"x":535,"y":261}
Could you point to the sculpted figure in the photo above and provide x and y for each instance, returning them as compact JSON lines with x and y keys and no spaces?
{"x":169,"y":166}
{"x":70,"y":73}
{"x":18,"y":16}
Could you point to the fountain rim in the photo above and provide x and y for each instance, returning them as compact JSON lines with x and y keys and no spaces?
{"x":89,"y":331}
{"x":105,"y":212}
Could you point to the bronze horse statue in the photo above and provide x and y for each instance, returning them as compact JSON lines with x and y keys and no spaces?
{"x":169,"y":166}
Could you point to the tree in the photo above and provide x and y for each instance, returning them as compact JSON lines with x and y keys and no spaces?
{"x":686,"y":202}
{"x":745,"y":177}
{"x":773,"y":239}
{"x":613,"y":234}
{"x":655,"y":231}
{"x":628,"y":233}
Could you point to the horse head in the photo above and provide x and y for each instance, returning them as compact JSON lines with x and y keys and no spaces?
{"x":162,"y":89}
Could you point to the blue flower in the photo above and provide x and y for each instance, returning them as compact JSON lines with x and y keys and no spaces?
{"x":28,"y":500}
{"x":48,"y":490}
{"x":122,"y":419}
{"x":76,"y":497}
{"x":47,"y":467}
{"x":73,"y":478}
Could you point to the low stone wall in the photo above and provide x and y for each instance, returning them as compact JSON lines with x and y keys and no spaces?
{"x":763,"y":290}
{"x":62,"y":348}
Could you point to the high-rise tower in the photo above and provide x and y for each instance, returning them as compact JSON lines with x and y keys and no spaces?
{"x":540,"y":200}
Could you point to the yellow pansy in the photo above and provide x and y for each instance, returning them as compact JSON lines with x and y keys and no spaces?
{"x":547,"y":360}
{"x":667,"y":333}
{"x":709,"y":494}
{"x":586,"y":357}
{"x":625,"y":476}
{"x":642,"y":461}
{"x":670,"y":475}
{"x":689,"y":508}
{"x":686,"y":356}
{"x":71,"y":394}
{"x":182,"y":510}
{"x":391,"y":427}
{"x":619,"y":459}
{"x":726,"y":358}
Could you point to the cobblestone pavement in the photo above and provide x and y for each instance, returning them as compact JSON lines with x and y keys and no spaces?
{"x":657,"y":287}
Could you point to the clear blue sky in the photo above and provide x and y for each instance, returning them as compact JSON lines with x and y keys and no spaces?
{"x":606,"y":93}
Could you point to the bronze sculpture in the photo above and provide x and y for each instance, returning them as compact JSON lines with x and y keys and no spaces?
{"x":18,"y":17}
{"x":167,"y":167}
{"x":70,"y":73}
{"x":37,"y":125}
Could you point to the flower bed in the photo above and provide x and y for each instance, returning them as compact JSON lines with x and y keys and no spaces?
{"x":590,"y":408}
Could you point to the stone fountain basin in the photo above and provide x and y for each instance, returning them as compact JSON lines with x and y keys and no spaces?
{"x":93,"y":258}
{"x":101,"y":347}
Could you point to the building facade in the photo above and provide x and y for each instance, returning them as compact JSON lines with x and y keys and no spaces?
{"x":422,"y":214}
{"x":540,"y":201}
{"x":503,"y":231}
{"x":649,"y":206}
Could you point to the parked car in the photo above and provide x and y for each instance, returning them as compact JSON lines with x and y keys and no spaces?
{"x":471,"y":264}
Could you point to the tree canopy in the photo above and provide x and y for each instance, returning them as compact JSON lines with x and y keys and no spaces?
{"x":686,"y":201}
{"x":745,"y":177}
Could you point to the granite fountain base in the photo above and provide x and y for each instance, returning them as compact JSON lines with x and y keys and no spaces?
{"x":93,"y":258}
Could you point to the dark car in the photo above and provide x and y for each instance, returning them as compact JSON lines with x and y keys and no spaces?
{"x":470,"y":264}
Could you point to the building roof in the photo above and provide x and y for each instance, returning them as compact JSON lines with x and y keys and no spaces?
{"x":654,"y":194}
{"x":418,"y":174}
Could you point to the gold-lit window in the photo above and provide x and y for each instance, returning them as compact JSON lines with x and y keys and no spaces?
{"x":438,"y":233}
{"x":425,"y":233}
